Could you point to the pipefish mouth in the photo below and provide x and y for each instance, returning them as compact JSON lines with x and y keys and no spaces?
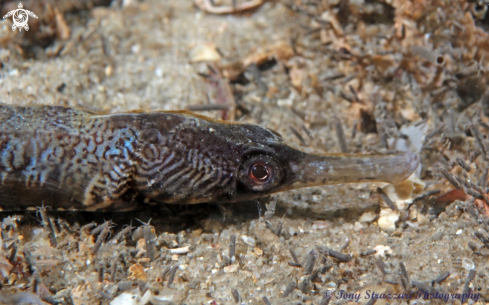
{"x":74,"y":159}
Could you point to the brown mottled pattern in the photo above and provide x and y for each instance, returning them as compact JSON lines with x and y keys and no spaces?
{"x":87,"y":161}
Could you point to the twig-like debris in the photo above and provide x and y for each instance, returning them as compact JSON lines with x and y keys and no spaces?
{"x":124,"y":232}
{"x":235,"y":294}
{"x":316,"y":272}
{"x":101,"y":271}
{"x":381,"y":265}
{"x":482,"y":236}
{"x":463,"y":164}
{"x":474,"y":247}
{"x":294,"y":256}
{"x":278,"y":231}
{"x":427,"y":195}
{"x":347,"y":97}
{"x":325,"y":268}
{"x":29,"y":261}
{"x":314,"y":275}
{"x":445,"y":161}
{"x":291,"y":286}
{"x":309,"y":262}
{"x":340,"y":133}
{"x":266,"y":301}
{"x":440,"y":278}
{"x":333,"y":77}
{"x":450,"y":178}
{"x":142,"y":286}
{"x":126,"y":285}
{"x":423,"y":286}
{"x":354,"y":130}
{"x":86,"y":228}
{"x":65,"y":226}
{"x":307,"y":132}
{"x":480,"y":140}
{"x":232,"y":247}
{"x":150,"y":247}
{"x":354,"y":93}
{"x":166,"y":271}
{"x":475,"y":194}
{"x":301,"y":115}
{"x":349,"y":78}
{"x":483,"y":181}
{"x":54,"y":227}
{"x":368,"y":252}
{"x":472,"y":211}
{"x":298,"y":135}
{"x":335,"y":254}
{"x":474,"y":155}
{"x":98,"y":229}
{"x":46,"y":224}
{"x":171,"y":276}
{"x":419,"y":123}
{"x":303,"y":284}
{"x":13,"y":253}
{"x":386,"y":199}
{"x":404,"y":277}
{"x":113,"y":268}
{"x":294,"y":264}
{"x":101,"y":238}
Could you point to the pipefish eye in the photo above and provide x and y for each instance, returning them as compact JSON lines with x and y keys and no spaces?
{"x":260,"y":172}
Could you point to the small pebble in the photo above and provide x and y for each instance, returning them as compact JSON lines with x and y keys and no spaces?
{"x":37,"y":231}
{"x":250,"y":241}
{"x":367,"y":217}
{"x":468,"y":264}
{"x":382,"y":250}
{"x":181,"y":250}
{"x":358,"y":227}
{"x":231,"y":268}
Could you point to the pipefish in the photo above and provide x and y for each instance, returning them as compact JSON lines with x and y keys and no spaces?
{"x":74,"y":159}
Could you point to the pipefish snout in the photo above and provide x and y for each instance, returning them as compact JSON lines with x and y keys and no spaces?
{"x":76,"y":159}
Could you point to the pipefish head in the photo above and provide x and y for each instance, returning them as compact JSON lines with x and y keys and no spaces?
{"x":187,"y":158}
{"x":269,"y":165}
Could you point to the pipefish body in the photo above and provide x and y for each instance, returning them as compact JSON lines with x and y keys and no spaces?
{"x":75,"y":159}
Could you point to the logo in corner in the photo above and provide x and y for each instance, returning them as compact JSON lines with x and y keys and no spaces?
{"x":20,"y":17}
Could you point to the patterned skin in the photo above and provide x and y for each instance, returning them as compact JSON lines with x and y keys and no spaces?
{"x":74,"y":159}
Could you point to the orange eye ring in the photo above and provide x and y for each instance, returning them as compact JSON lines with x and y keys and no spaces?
{"x":260,"y":172}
